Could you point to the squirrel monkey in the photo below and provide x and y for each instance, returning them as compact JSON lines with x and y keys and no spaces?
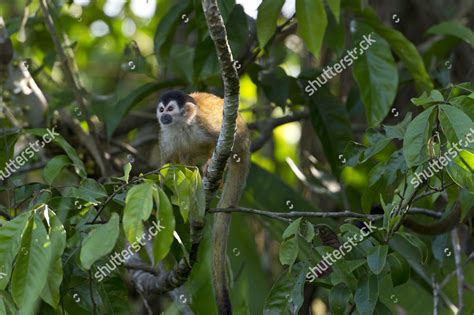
{"x":190,"y":126}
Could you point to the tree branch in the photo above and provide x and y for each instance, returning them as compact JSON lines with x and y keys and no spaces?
{"x":76,"y":87}
{"x":253,"y":48}
{"x":266,"y":127}
{"x":231,"y":81}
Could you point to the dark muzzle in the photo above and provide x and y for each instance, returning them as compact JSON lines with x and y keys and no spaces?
{"x":166,"y":119}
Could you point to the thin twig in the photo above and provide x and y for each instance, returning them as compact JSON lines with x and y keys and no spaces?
{"x":74,"y":83}
{"x":459,"y":269}
{"x":275,"y":122}
{"x":123,"y":186}
{"x":254,"y":50}
{"x":269,"y":214}
{"x":65,"y":62}
{"x":453,"y":273}
{"x":91,"y":291}
{"x":266,"y":127}
{"x":427,"y":212}
{"x":430,"y":192}
{"x":312,"y":214}
{"x":436,"y":289}
{"x":130,"y":149}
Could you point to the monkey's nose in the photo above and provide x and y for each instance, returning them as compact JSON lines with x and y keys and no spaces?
{"x":166,"y":119}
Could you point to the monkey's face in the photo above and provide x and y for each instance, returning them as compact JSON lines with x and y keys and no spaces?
{"x":169,"y":113}
{"x":175,"y":108}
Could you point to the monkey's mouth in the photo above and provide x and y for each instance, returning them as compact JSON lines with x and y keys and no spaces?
{"x":166,"y":119}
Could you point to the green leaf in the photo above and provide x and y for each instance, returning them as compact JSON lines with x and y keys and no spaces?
{"x":453,"y":28}
{"x":376,"y":75}
{"x":7,"y":306}
{"x":54,"y":167}
{"x":180,"y":62}
{"x":309,"y":232}
{"x":461,"y":173}
{"x":467,"y":203}
{"x":182,"y":190}
{"x":289,"y":251}
{"x":339,"y":297}
{"x":464,"y":103}
{"x":418,"y":244}
{"x":32,"y":265}
{"x":335,"y":7}
{"x":71,"y":153}
{"x":335,"y":37}
{"x":286,"y":295}
{"x":341,"y":269}
{"x":456,"y":125}
{"x":416,"y":138}
{"x":382,"y":309}
{"x":237,"y":32}
{"x":8,"y":144}
{"x":89,"y":190}
{"x":312,"y":22}
{"x":164,"y":239}
{"x":166,"y":29}
{"x":366,"y":294}
{"x":275,"y":84}
{"x":398,"y":131}
{"x":292,"y":229}
{"x":197,"y":197}
{"x":226,"y":7}
{"x":205,"y":62}
{"x":138,"y":206}
{"x":376,"y":148}
{"x":388,"y":169}
{"x":268,"y":13}
{"x":332,"y":125}
{"x":100,"y":241}
{"x":126,"y":172}
{"x":399,"y":269}
{"x":57,"y":235}
{"x":10,"y":236}
{"x":434,"y":97}
{"x":354,"y":153}
{"x":402,"y":47}
{"x":376,"y":257}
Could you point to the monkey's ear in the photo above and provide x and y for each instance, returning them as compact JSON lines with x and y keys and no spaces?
{"x":190,"y":111}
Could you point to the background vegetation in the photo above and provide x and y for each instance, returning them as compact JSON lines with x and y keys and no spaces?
{"x":94,"y":70}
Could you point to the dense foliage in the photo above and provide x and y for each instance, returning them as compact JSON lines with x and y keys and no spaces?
{"x":355,"y":129}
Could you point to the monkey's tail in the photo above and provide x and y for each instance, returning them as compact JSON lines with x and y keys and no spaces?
{"x":440,"y":227}
{"x":237,"y":171}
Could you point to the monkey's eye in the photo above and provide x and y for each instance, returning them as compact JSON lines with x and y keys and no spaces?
{"x":170,"y":108}
{"x":161,"y":109}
